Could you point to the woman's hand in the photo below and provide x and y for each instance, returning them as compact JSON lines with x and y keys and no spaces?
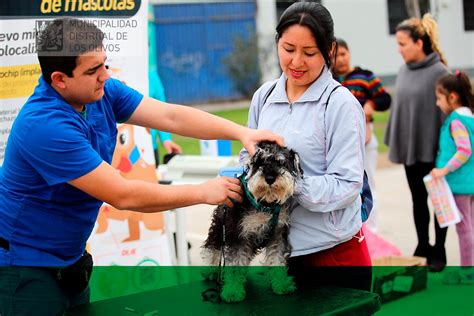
{"x":252,"y":136}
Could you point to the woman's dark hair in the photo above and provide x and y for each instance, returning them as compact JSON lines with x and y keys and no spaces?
{"x":460,"y":84}
{"x":342,"y":43}
{"x":426,"y":30}
{"x":62,"y":41}
{"x":314,"y":16}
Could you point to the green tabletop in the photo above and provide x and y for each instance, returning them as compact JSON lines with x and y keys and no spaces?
{"x":186,"y":299}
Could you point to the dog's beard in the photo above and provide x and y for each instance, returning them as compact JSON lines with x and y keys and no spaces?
{"x":280,"y":191}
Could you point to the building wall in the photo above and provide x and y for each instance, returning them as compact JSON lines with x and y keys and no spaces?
{"x":266,"y":24}
{"x":457,"y":44}
{"x":364,"y":25}
{"x":192,"y":41}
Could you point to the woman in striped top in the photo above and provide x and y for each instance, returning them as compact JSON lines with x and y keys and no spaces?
{"x":369,"y":91}
{"x":455,"y":161}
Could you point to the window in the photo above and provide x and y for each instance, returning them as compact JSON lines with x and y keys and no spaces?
{"x":398,"y":11}
{"x":282,"y":5}
{"x":468,"y":8}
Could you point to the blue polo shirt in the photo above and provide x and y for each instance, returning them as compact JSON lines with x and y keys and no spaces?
{"x":45,"y":220}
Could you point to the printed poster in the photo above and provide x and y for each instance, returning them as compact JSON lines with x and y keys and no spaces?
{"x":119,"y":237}
{"x":441,"y":198}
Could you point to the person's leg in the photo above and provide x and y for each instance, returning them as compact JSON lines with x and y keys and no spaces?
{"x":421,"y":212}
{"x":30,"y":291}
{"x":345,"y":265}
{"x":465,"y":228}
{"x":370,"y":165}
{"x":438,"y":257}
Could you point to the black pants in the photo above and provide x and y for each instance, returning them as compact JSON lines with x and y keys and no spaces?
{"x":421,"y":212}
{"x":345,"y":265}
{"x":28,"y":291}
{"x":359,"y":278}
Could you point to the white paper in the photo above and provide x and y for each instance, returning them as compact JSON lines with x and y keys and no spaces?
{"x":441,"y":198}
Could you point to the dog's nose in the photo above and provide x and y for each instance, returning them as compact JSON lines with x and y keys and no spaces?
{"x":270,"y":179}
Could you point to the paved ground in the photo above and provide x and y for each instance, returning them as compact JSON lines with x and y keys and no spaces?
{"x":395,"y":218}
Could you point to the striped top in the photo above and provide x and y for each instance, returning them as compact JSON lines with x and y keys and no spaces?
{"x":460,"y":135}
{"x":365,"y":86}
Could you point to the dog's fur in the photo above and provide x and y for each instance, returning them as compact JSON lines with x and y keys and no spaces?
{"x":271,"y":176}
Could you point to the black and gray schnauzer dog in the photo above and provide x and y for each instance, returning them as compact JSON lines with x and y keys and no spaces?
{"x":260,"y":222}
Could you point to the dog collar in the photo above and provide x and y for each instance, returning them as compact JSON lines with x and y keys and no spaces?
{"x":273,"y":210}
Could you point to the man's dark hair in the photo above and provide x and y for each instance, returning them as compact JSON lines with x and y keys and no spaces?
{"x":63,"y":41}
{"x":342,"y":43}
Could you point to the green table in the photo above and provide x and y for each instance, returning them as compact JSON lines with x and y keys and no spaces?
{"x":186,"y":299}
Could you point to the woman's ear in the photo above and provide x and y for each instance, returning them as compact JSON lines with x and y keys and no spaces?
{"x":57,"y":79}
{"x":419,"y":44}
{"x":332,"y":52}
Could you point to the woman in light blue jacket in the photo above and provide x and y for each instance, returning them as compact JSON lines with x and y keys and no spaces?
{"x":325,"y":229}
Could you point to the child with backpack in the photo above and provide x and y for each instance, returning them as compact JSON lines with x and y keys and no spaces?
{"x":455,"y":161}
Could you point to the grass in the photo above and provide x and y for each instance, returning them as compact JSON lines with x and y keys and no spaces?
{"x":380,"y":124}
{"x":191,"y":146}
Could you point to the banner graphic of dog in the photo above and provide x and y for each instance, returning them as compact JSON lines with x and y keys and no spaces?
{"x":126,"y":237}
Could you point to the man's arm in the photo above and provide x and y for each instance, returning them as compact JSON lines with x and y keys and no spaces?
{"x":106,"y":184}
{"x":187,"y":121}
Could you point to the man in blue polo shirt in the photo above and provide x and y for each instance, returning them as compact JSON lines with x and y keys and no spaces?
{"x":56,"y":172}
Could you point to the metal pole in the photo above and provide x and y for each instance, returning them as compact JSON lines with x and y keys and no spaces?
{"x":181,"y":242}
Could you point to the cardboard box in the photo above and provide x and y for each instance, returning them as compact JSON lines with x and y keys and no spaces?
{"x":395,"y":277}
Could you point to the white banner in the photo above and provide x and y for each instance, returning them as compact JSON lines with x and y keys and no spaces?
{"x":126,"y":44}
{"x":120,"y":237}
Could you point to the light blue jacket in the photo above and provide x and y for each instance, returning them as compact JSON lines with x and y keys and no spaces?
{"x":330,"y":143}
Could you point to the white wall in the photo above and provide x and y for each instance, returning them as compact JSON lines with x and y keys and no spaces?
{"x":457,"y":44}
{"x":266,"y":21}
{"x":364,"y":25}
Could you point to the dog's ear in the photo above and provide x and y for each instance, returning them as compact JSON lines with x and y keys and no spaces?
{"x":247,"y":161}
{"x":295,"y":158}
{"x":263,"y":144}
{"x":258,"y":153}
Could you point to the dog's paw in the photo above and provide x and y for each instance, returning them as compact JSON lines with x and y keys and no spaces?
{"x":233,"y":294}
{"x":284,"y":286}
{"x":280,"y":281}
{"x":210,"y":273}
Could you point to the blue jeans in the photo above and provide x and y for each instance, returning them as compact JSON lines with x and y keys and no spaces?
{"x":34,"y":291}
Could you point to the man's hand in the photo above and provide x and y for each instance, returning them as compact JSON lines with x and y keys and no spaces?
{"x":253,"y":136}
{"x":171,"y":147}
{"x":187,"y":121}
{"x":439,"y":172}
{"x":222,"y":190}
